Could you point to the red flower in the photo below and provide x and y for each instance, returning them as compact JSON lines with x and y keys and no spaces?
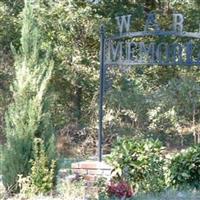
{"x":120,"y":189}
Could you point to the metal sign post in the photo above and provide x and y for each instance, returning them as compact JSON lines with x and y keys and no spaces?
{"x":101,"y":91}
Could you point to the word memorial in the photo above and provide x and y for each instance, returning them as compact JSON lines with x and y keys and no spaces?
{"x":141,"y":48}
{"x":123,"y":50}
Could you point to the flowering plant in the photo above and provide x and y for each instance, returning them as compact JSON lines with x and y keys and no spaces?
{"x":120,"y":189}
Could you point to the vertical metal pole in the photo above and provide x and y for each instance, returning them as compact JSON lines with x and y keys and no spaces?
{"x":101,"y":92}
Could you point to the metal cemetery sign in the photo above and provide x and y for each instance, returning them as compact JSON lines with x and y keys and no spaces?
{"x":123,"y":50}
{"x":139,"y":53}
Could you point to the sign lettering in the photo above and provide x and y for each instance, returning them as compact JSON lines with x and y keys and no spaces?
{"x":140,"y":53}
{"x":123,"y":22}
{"x":178,"y":22}
{"x":119,"y":51}
{"x":151,"y":23}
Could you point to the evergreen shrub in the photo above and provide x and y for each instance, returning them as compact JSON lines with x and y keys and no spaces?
{"x":28,"y":115}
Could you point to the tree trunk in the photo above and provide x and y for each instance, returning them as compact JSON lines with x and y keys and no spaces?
{"x":78,"y":102}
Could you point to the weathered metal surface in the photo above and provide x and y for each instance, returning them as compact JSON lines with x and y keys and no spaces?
{"x":101,"y":91}
{"x":156,"y":33}
{"x":151,"y":53}
{"x":120,"y":51}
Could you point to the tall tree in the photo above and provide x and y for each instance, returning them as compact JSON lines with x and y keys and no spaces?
{"x":27,"y":116}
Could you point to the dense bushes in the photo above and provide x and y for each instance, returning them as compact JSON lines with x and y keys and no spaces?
{"x":142,"y":164}
{"x":139,"y":162}
{"x":185,"y":168}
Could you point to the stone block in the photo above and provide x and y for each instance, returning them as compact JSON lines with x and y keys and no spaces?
{"x":80,"y":171}
{"x":95,"y":172}
{"x":106,"y":172}
{"x":90,"y":178}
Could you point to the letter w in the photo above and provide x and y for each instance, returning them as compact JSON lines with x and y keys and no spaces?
{"x":123,"y":22}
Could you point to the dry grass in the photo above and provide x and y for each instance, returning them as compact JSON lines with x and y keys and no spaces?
{"x":65,"y":191}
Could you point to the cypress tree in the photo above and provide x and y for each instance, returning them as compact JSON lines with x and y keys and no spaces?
{"x":27,"y":116}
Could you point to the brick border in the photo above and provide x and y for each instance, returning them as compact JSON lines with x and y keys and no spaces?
{"x":92,"y":170}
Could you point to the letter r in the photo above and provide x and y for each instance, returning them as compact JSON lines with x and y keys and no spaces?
{"x":178,"y":22}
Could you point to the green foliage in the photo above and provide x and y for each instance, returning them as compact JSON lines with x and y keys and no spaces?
{"x":42,"y":173}
{"x":175,"y":106}
{"x":144,"y":101}
{"x":9,"y":28}
{"x":74,"y":41}
{"x":139,"y":162}
{"x":185,"y":168}
{"x":102,"y":184}
{"x":27,"y":115}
